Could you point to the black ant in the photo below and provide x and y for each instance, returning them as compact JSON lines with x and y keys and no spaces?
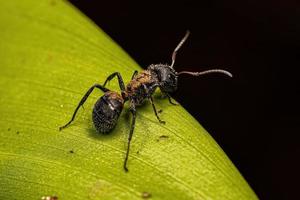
{"x":142,"y":85}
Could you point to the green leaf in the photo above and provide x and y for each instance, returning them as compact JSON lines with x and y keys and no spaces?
{"x":50,"y":54}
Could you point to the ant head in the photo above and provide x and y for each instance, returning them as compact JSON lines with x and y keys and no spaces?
{"x":167,"y":77}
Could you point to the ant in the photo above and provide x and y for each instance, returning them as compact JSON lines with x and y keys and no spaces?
{"x":141,"y":87}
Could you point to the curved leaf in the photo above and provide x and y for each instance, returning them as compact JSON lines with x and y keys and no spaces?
{"x":50,"y":54}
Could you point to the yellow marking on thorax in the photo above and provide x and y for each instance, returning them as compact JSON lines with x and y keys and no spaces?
{"x":143,"y":77}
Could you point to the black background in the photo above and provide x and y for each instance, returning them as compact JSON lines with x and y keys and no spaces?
{"x":254,"y":117}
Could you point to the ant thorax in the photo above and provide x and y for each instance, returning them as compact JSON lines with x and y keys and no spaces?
{"x":142,"y":86}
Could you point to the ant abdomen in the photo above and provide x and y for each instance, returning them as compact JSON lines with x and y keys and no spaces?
{"x":107,"y":111}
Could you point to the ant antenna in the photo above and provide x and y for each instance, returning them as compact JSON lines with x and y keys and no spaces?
{"x":207,"y":72}
{"x":178,"y":47}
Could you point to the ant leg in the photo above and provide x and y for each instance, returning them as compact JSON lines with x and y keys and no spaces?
{"x":82,"y":102}
{"x":170,"y":100}
{"x":120,"y":79}
{"x":134,"y":74}
{"x":153,"y":106}
{"x":133,"y":111}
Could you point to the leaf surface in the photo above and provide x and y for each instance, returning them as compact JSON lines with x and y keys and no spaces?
{"x":50,"y":54}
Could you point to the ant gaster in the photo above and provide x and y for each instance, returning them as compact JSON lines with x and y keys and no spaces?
{"x":142,"y":85}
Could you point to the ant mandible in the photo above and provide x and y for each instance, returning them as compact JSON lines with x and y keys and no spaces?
{"x":142,"y":85}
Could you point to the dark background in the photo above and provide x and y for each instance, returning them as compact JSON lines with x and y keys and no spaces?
{"x":255,"y":116}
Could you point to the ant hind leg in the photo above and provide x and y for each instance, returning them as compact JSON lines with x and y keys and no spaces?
{"x":84,"y":98}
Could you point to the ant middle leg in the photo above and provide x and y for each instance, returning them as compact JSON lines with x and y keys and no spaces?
{"x":84,"y":98}
{"x":154,"y":109}
{"x":133,"y":112}
{"x":134,"y":74}
{"x":120,"y":80}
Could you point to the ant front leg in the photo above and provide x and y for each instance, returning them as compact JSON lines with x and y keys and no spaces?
{"x":154,"y":109}
{"x":170,"y":100}
{"x":84,"y":98}
{"x":120,"y":79}
{"x":133,"y":112}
